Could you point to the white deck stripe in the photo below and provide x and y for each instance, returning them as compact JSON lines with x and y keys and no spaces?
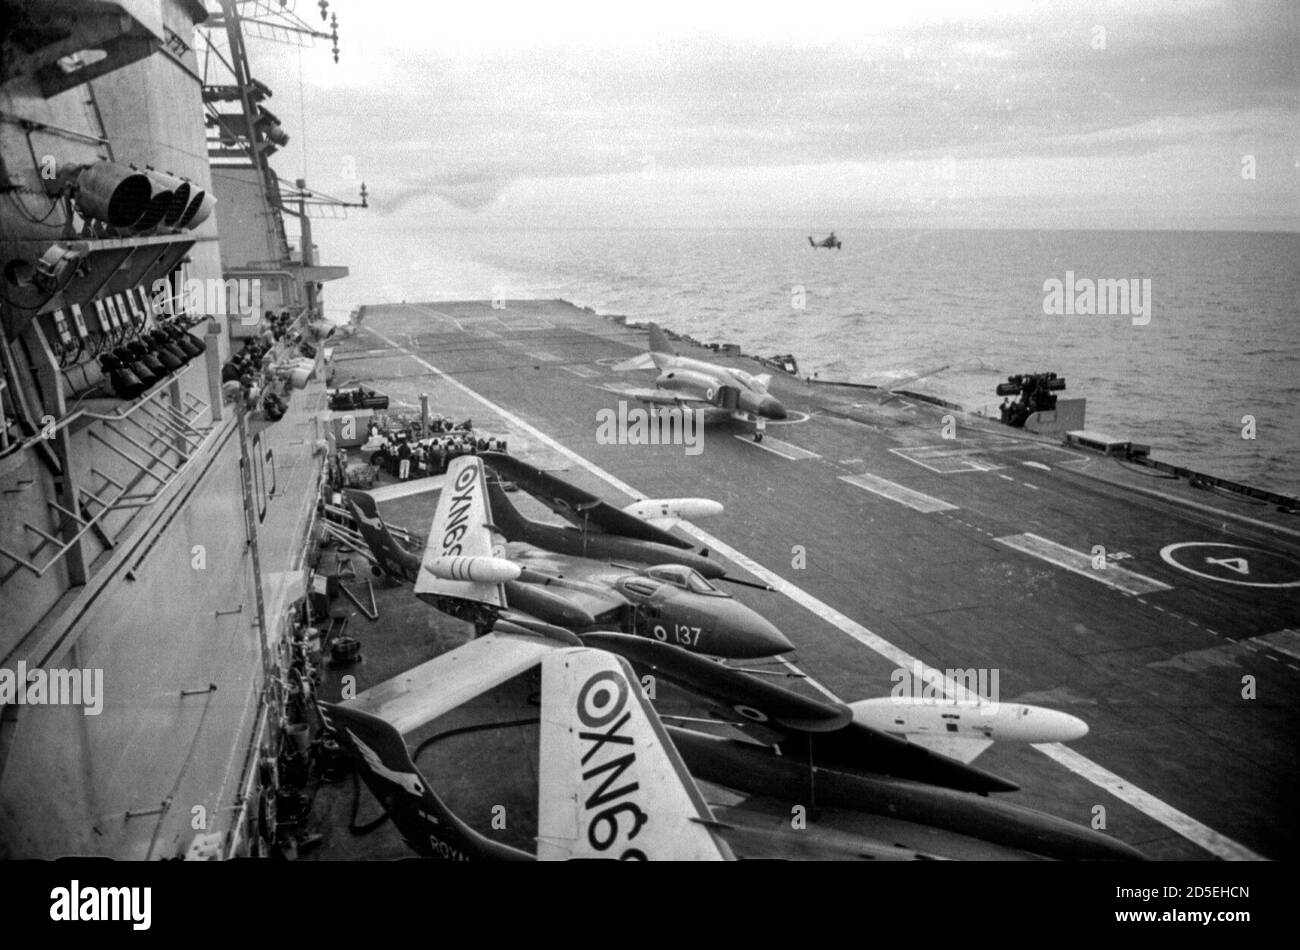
{"x":1284,"y":641}
{"x":1081,"y":563}
{"x":899,"y":493}
{"x":1219,"y":845}
{"x":1199,"y":834}
{"x":777,"y":447}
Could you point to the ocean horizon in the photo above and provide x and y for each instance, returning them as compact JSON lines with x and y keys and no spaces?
{"x":949,"y":313}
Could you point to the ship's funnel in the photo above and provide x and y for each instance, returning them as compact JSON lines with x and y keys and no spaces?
{"x":115,"y":194}
{"x":200,"y":207}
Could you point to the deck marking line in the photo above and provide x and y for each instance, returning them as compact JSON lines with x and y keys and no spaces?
{"x":1284,"y":641}
{"x":1187,"y":826}
{"x":1201,"y":835}
{"x":585,"y":372}
{"x":1081,"y":563}
{"x":915,"y":500}
{"x":784,"y":451}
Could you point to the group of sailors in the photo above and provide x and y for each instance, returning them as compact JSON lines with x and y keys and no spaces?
{"x":405,"y":458}
{"x":1015,"y":412}
{"x":245,"y":372}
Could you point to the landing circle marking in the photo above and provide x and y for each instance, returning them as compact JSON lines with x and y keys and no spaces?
{"x":792,"y":413}
{"x":1236,"y":561}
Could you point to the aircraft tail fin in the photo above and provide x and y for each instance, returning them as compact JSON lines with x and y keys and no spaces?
{"x":505,"y":516}
{"x":385,"y":763}
{"x":611,"y":783}
{"x":659,"y":343}
{"x":460,"y":530}
{"x":387,"y":551}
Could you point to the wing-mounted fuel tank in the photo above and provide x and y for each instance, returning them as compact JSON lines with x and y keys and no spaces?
{"x":685,"y":508}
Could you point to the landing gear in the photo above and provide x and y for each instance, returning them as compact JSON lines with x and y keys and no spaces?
{"x":758,"y":435}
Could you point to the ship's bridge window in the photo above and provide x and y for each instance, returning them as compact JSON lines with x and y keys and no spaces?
{"x":686,"y":578}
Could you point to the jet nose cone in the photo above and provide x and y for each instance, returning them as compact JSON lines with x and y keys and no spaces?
{"x":750,"y":637}
{"x":771,"y":408}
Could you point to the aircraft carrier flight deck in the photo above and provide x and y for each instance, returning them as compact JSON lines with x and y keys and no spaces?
{"x":897,"y":532}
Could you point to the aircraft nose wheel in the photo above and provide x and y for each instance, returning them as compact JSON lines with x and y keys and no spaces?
{"x":758,"y":437}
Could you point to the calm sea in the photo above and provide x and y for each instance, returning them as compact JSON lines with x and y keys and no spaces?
{"x":949,"y":313}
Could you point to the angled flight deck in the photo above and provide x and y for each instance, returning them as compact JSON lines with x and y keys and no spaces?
{"x":1163,"y":616}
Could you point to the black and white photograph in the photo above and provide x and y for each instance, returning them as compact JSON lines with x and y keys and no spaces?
{"x":839,"y":432}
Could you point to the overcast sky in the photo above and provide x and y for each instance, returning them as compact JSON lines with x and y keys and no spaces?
{"x":810,"y":115}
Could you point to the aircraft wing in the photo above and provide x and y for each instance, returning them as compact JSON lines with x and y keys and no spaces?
{"x":641,"y":361}
{"x":460,"y":529}
{"x":581,"y":570}
{"x":416,"y":486}
{"x":610,"y":782}
{"x":661,"y":397}
{"x":580,"y":508}
{"x":962,"y":748}
{"x":772,"y":713}
{"x":425,"y":692}
{"x":729,"y":691}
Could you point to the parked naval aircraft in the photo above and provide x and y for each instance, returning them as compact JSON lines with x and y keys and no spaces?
{"x":465,"y":575}
{"x":610,"y":784}
{"x":594,"y":719}
{"x":690,"y":384}
{"x":599,"y":530}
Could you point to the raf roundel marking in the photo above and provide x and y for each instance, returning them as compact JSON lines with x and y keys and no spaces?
{"x":749,"y":712}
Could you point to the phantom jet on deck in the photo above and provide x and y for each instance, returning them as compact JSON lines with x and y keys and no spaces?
{"x":690,"y":384}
